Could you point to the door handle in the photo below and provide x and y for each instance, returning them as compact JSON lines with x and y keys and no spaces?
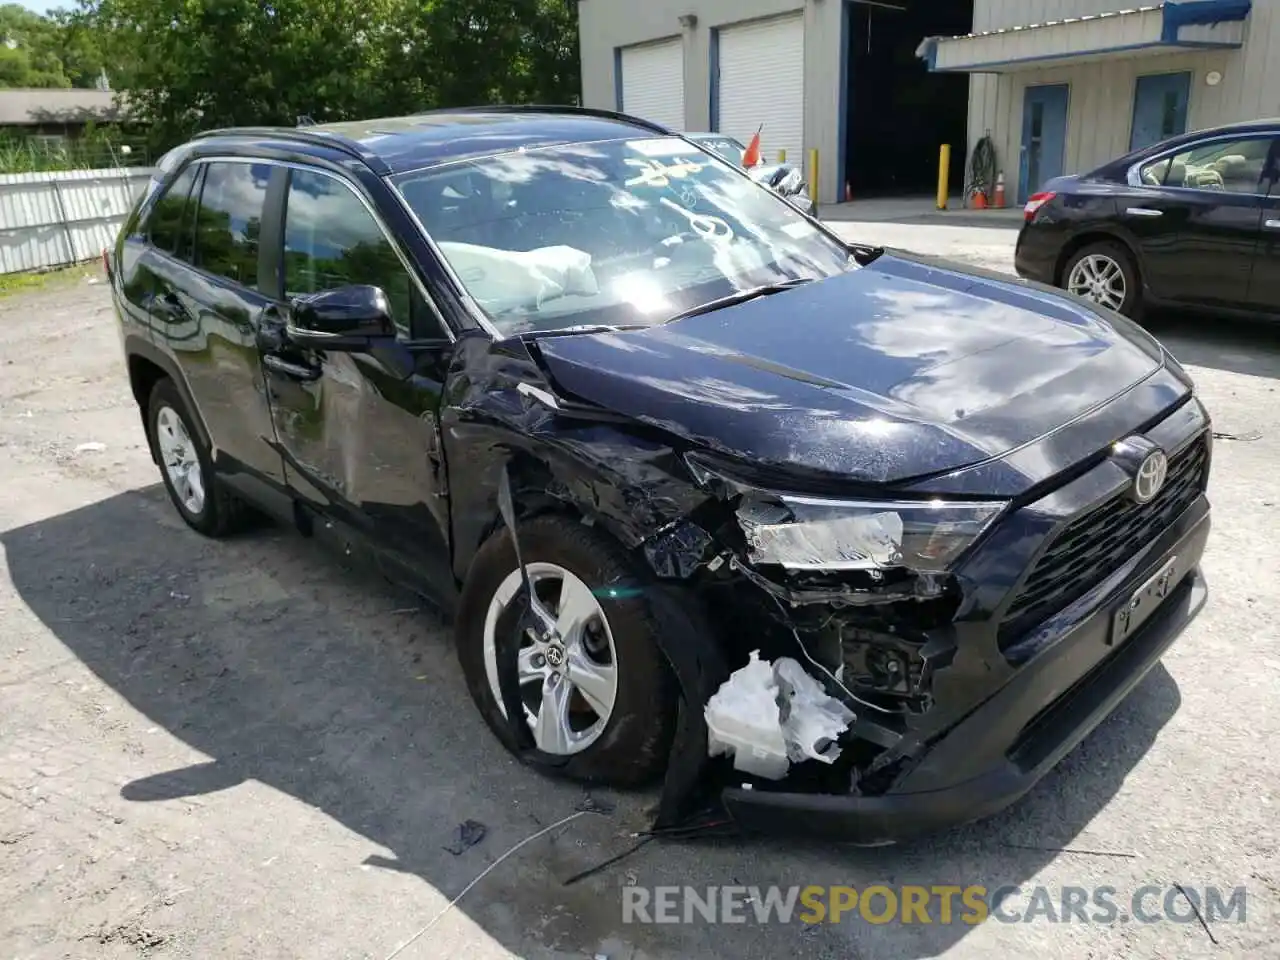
{"x":1144,"y":212}
{"x":1272,"y":224}
{"x":272,"y":324}
{"x":169,"y":304}
{"x":297,"y":371}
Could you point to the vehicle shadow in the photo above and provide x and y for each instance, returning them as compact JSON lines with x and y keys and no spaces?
{"x":266,"y":655}
{"x":1232,"y":345}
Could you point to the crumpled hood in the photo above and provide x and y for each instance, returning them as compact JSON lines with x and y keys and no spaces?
{"x":894,"y":371}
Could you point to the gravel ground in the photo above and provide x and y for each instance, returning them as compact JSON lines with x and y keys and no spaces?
{"x":242,"y":749}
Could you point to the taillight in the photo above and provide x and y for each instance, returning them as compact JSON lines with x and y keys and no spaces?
{"x":1036,"y":201}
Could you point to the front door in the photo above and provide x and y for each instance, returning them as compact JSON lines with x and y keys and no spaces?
{"x":1197,"y":218}
{"x":359,"y":431}
{"x":1159,"y":108}
{"x":1044,"y":136}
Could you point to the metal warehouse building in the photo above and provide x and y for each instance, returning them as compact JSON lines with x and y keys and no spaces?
{"x":876,"y":85}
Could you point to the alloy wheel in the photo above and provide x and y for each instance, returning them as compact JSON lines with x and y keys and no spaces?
{"x":1099,"y":278}
{"x":568,"y":685}
{"x":181,"y":464}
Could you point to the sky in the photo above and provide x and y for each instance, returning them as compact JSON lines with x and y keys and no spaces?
{"x":44,"y":6}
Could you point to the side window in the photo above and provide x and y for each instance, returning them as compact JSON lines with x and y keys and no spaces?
{"x":164,"y":224}
{"x":1234,"y":166}
{"x":331,"y":240}
{"x":229,"y":220}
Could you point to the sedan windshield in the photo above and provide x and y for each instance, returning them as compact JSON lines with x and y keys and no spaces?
{"x":616,"y":233}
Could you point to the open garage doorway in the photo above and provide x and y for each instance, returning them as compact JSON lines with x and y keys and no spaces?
{"x":897,"y":113}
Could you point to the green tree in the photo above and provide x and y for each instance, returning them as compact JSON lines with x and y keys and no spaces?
{"x":29,"y":50}
{"x":186,"y":65}
{"x":78,"y":47}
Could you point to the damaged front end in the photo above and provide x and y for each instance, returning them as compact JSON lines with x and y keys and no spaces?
{"x":854,"y":593}
{"x":843,"y":599}
{"x":839,"y":641}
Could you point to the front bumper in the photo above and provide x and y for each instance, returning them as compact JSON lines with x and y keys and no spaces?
{"x":1000,"y":750}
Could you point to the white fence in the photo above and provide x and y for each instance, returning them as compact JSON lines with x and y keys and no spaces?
{"x":62,"y":217}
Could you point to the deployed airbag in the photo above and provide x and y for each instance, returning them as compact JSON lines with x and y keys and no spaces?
{"x":507,"y":279}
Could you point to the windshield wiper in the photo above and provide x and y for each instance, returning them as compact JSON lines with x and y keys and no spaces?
{"x":741,"y":296}
{"x":585,"y":328}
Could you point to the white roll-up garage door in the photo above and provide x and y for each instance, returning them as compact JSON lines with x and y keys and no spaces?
{"x":761,"y":81}
{"x":653,"y":82}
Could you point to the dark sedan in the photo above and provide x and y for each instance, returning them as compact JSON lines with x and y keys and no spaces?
{"x":1190,"y":222}
{"x":635,"y":420}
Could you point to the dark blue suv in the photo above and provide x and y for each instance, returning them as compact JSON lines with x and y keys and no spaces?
{"x":629,"y":417}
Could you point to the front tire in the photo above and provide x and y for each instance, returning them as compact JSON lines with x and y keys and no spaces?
{"x":1106,"y":274}
{"x":186,"y":466}
{"x":602,"y":706}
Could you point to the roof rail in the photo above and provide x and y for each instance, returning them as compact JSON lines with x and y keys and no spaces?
{"x":331,"y":141}
{"x":554,"y":108}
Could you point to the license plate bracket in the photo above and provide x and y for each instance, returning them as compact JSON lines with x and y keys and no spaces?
{"x":1143,"y":602}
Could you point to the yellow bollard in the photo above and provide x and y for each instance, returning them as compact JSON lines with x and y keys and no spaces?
{"x":782,"y":156}
{"x":944,"y":174}
{"x":813,"y":175}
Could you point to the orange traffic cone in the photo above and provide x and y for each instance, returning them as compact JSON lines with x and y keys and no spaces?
{"x":999,"y":191}
{"x":752,"y":155}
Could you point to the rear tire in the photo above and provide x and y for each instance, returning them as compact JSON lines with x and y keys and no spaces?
{"x":187,"y":468}
{"x":628,"y":747}
{"x":1106,"y":274}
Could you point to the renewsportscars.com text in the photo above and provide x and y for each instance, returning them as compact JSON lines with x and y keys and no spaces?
{"x":938,"y":904}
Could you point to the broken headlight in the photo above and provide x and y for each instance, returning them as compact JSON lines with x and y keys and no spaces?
{"x":802,"y":532}
{"x":809,"y":533}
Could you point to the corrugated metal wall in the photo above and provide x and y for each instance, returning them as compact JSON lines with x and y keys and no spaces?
{"x":994,"y":14}
{"x":63,"y":217}
{"x":1101,"y":108}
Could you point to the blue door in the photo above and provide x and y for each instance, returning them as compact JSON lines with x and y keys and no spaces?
{"x":1044,"y":136}
{"x":1159,"y":108}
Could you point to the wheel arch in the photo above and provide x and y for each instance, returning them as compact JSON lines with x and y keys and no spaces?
{"x":1087,"y":238}
{"x":547,"y":479}
{"x":147,"y":365}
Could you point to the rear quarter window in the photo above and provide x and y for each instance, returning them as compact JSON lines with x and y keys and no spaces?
{"x":164,"y":226}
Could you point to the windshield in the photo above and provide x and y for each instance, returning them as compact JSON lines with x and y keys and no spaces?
{"x":727,"y":147}
{"x":618,"y":233}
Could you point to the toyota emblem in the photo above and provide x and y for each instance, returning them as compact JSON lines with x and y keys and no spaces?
{"x":1151,"y":476}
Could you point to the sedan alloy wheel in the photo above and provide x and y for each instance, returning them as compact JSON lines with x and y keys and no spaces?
{"x":1099,"y":278}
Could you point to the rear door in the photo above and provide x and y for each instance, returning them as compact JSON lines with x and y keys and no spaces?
{"x":1196,"y":214}
{"x":359,"y":432}
{"x":204,"y":274}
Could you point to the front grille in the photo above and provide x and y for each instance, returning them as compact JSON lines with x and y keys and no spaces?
{"x":1096,"y":545}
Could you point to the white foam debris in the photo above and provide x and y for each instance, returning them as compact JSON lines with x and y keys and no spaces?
{"x":767,"y":716}
{"x":811,"y":718}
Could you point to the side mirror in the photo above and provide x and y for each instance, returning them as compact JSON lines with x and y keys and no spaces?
{"x":348,"y":318}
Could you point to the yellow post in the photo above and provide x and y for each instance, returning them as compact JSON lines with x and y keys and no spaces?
{"x":782,"y":156}
{"x":813,"y":175}
{"x":944,"y":174}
